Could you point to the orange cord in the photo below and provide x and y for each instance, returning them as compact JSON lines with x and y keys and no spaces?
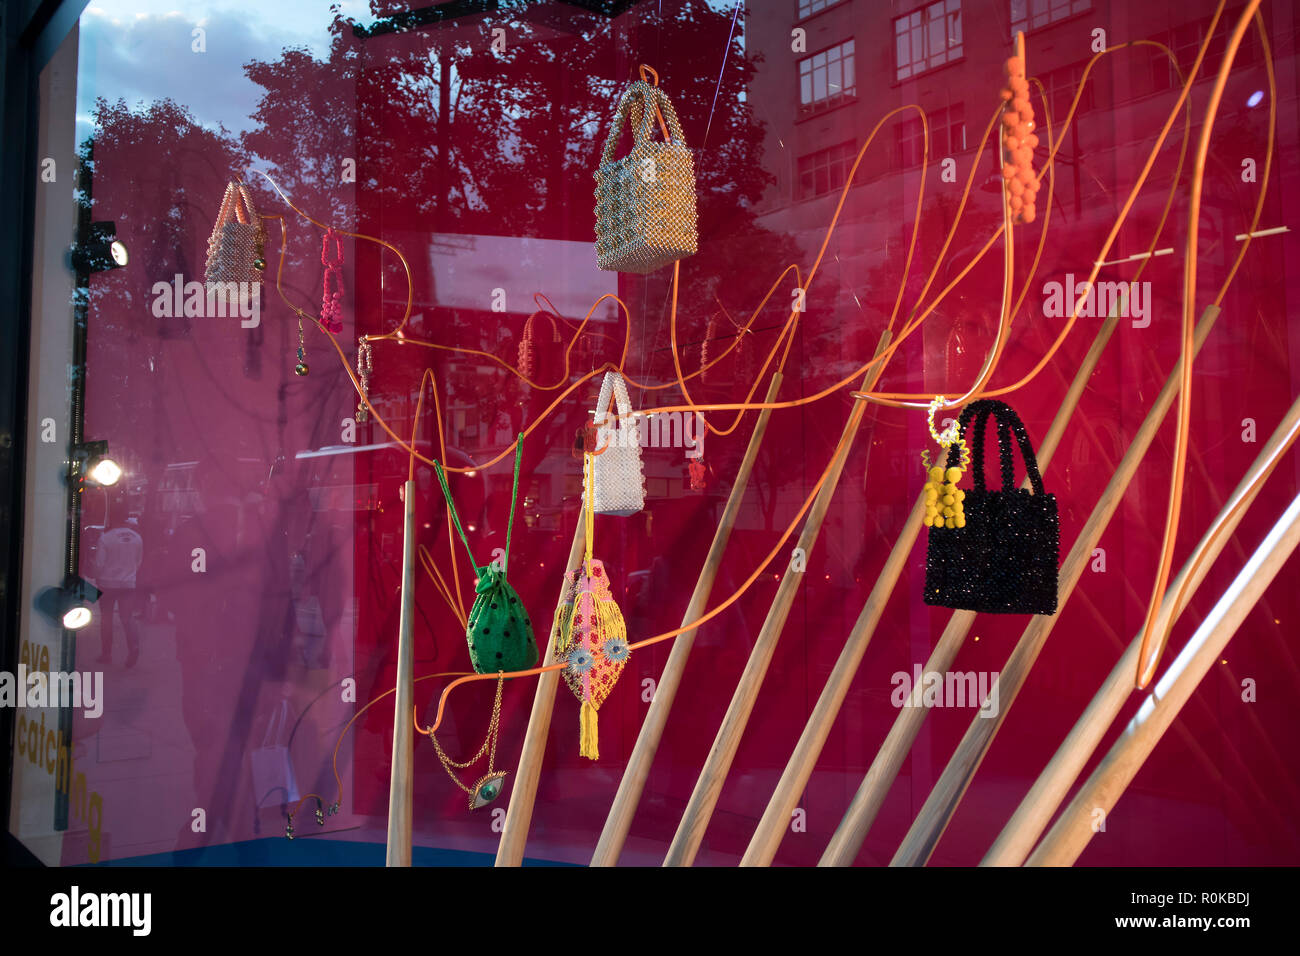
{"x":882,"y":357}
{"x":1153,"y":642}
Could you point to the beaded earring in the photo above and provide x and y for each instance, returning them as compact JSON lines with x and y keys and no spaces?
{"x":365,"y":365}
{"x":331,"y":308}
{"x":696,"y":467}
{"x":943,"y":499}
{"x":302,"y":368}
{"x":528,"y":346}
{"x":321,"y":812}
{"x":1018,"y":143}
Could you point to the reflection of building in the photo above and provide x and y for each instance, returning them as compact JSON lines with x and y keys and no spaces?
{"x":834,"y":68}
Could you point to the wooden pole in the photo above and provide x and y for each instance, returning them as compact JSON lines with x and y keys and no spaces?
{"x":400,"y":778}
{"x":1227,"y":768}
{"x":848,"y":837}
{"x":1030,"y":819}
{"x":1071,"y":833}
{"x":939,"y":807}
{"x":519,"y":816}
{"x":699,"y":809}
{"x":630,"y":788}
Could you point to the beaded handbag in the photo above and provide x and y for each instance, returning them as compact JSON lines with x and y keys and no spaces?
{"x":645,"y":202}
{"x":236,"y":248}
{"x":619,"y":477}
{"x":498,"y":631}
{"x":1004,"y":559}
{"x":590,"y":634}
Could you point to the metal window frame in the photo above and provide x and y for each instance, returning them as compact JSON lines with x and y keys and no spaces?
{"x":32,"y":30}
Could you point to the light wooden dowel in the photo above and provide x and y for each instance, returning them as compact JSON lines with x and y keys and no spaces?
{"x":1053,"y":784}
{"x":630,"y":788}
{"x":510,"y":851}
{"x":400,"y":778}
{"x":1071,"y":833}
{"x":849,"y":835}
{"x":939,"y":807}
{"x":699,"y":809}
{"x":775,"y":821}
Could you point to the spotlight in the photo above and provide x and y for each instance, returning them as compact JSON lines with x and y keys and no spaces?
{"x":92,"y":463}
{"x":69,"y":606}
{"x":101,"y":250}
{"x":1255,"y":99}
{"x":105,"y":471}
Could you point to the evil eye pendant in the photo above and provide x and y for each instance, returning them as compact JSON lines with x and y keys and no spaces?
{"x":486,"y":789}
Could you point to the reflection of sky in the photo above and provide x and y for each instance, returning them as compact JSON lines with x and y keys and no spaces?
{"x":467,"y":270}
{"x":140,"y":51}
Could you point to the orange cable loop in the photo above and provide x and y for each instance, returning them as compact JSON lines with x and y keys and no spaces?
{"x":1153,"y":640}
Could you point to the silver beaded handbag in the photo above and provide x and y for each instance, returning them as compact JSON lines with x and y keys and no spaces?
{"x":617,"y":478}
{"x":236,"y":248}
{"x":645,"y":202}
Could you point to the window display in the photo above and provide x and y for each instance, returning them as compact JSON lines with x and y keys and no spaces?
{"x":353,"y":331}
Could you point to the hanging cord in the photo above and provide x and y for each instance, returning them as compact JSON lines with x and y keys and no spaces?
{"x":1154,"y":638}
{"x":881,"y":357}
{"x":588,"y":511}
{"x":884,"y":356}
{"x":455,"y":517}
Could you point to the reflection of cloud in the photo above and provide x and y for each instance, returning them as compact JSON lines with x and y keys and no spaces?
{"x":141,"y":51}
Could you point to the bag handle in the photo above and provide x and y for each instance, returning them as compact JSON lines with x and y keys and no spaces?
{"x":237,"y":205}
{"x":614,"y":387}
{"x":1008,"y":424}
{"x":588,"y":508}
{"x":644,"y":103}
{"x":455,"y":517}
{"x":247,"y":207}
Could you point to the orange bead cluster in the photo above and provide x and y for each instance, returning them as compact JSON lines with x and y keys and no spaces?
{"x":1018,"y":143}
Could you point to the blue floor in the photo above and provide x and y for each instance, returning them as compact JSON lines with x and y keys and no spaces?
{"x":277,"y":851}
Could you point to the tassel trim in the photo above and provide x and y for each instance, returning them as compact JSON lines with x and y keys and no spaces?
{"x":610,"y":620}
{"x":588,"y":734}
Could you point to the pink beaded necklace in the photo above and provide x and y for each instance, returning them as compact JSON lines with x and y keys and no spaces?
{"x":331,"y":309}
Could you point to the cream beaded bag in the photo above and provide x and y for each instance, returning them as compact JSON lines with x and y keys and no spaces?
{"x":618,"y":479}
{"x":645,"y":202}
{"x":236,"y":248}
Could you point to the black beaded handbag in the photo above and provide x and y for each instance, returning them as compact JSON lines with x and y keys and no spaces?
{"x":1004,"y":561}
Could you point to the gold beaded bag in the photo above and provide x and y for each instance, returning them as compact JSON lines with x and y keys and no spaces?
{"x":236,"y":248}
{"x":645,"y":202}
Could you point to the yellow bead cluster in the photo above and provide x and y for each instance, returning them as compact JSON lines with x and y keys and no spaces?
{"x":943,"y":508}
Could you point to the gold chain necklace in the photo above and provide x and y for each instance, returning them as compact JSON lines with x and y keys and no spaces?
{"x":487,"y":787}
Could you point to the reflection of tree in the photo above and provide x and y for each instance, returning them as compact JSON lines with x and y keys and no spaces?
{"x":171,"y":191}
{"x":450,"y":136}
{"x":153,"y":171}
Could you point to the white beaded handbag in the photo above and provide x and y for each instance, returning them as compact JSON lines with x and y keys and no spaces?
{"x":618,"y":479}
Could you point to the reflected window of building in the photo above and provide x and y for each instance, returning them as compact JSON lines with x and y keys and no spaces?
{"x":1061,"y":85}
{"x":827,"y":78}
{"x":808,"y":7}
{"x":927,"y":38}
{"x":947,"y":136}
{"x":1185,"y":42}
{"x":1029,"y":15}
{"x":826,"y":170}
